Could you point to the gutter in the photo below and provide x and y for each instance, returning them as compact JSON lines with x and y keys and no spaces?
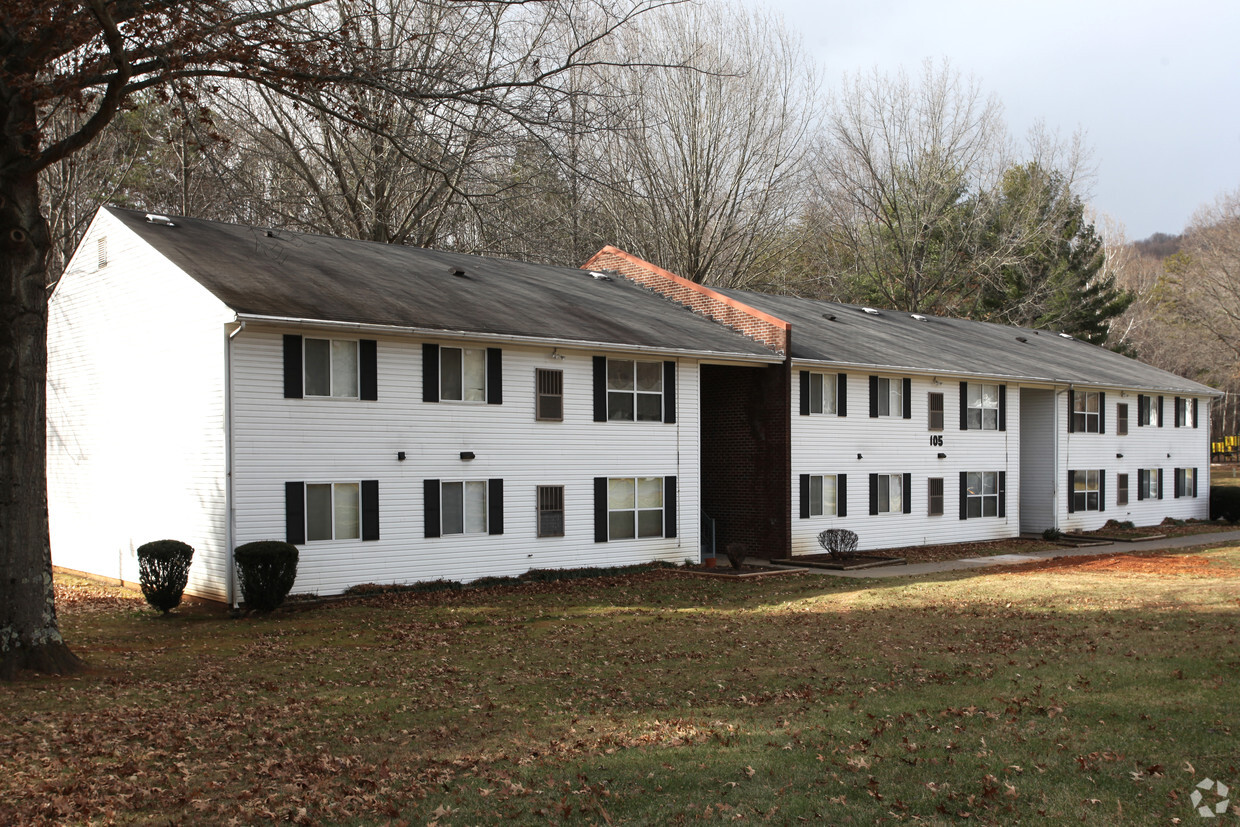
{"x":230,"y":529}
{"x":544,"y":341}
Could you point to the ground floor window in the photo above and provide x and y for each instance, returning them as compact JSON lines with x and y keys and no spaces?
{"x":634,"y":507}
{"x":934,"y":495}
{"x":333,"y":511}
{"x":1186,"y":482}
{"x":981,"y":494}
{"x":1086,"y":489}
{"x":1149,"y":484}
{"x":889,"y":493}
{"x":463,"y":507}
{"x":822,"y":495}
{"x":1121,"y":489}
{"x":550,"y":511}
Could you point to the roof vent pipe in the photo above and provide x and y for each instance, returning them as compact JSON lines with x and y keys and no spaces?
{"x":155,"y":218}
{"x":870,"y":310}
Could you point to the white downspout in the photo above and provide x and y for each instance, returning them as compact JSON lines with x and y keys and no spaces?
{"x":229,"y":522}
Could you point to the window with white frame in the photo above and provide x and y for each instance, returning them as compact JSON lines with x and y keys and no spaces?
{"x":982,"y":494}
{"x":890,"y":397}
{"x":463,"y":507}
{"x":634,"y":507}
{"x":333,"y":511}
{"x":823,"y":389}
{"x":1183,"y":412}
{"x":463,"y":374}
{"x":983,"y":411}
{"x":1085,"y":412}
{"x":1146,"y":410}
{"x":823,"y":495}
{"x":1147,"y":484}
{"x":1121,"y":419}
{"x":1085,"y":491}
{"x":1186,"y":482}
{"x":890,"y":493}
{"x":331,"y":368}
{"x":634,"y":391}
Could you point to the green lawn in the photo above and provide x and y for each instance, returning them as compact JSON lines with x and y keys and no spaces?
{"x":1096,"y":694}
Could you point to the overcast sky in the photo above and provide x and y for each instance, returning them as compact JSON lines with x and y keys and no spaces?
{"x":1155,"y":86}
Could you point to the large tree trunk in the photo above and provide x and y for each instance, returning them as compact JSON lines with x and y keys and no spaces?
{"x":29,"y":635}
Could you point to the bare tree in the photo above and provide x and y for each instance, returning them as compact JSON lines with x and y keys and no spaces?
{"x":95,"y":56}
{"x":703,"y":172}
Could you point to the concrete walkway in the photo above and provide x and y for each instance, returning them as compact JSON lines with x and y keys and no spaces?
{"x":915,"y":569}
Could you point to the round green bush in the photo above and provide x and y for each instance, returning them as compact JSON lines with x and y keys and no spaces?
{"x":266,"y":570}
{"x":163,"y":571}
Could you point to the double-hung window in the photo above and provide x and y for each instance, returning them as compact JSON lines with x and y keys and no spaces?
{"x":1184,"y":412}
{"x":463,"y":507}
{"x":331,"y":368}
{"x":1086,"y":412}
{"x":1149,"y":484}
{"x":890,"y":397}
{"x":1121,"y":419}
{"x":333,"y":511}
{"x":983,"y":411}
{"x":934,"y":496}
{"x":1149,"y":410}
{"x":463,"y":374}
{"x":634,"y":507}
{"x":887,"y":494}
{"x":823,"y":390}
{"x":981,"y":494}
{"x":934,"y":406}
{"x":550,"y":511}
{"x":549,"y":406}
{"x":634,"y":391}
{"x":1186,"y":482}
{"x":1086,"y":490}
{"x":1121,"y":489}
{"x":822,"y":495}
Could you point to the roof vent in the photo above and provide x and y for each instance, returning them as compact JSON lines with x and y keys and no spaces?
{"x":271,"y":234}
{"x":870,"y":310}
{"x":458,"y":272}
{"x":1065,"y":336}
{"x":1021,"y":339}
{"x":595,"y":274}
{"x":918,"y":317}
{"x":155,"y":218}
{"x":829,"y":316}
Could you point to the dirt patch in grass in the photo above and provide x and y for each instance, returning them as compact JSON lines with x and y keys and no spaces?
{"x":956,"y":551}
{"x":1153,"y":562}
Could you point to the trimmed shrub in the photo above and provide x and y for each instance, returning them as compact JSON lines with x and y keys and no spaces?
{"x":1225,"y":503}
{"x":163,"y":570}
{"x":838,"y":541}
{"x":1052,"y":534}
{"x":737,"y":552}
{"x":266,"y":570}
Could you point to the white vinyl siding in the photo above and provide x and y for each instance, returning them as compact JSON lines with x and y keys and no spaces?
{"x":316,"y":440}
{"x":135,"y":412}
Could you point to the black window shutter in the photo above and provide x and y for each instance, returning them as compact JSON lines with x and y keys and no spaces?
{"x":1143,"y":403}
{"x":430,"y":507}
{"x":495,"y":376}
{"x":295,"y":511}
{"x":1002,"y":491}
{"x":1194,"y":413}
{"x":1071,"y":410}
{"x":1071,"y":491}
{"x":600,"y":393}
{"x":1002,"y":411}
{"x":1178,"y":486}
{"x":841,"y":494}
{"x":964,"y":495}
{"x":600,"y":502}
{"x":495,"y":506}
{"x":873,"y":494}
{"x":1160,"y":411}
{"x":370,"y":509}
{"x":1102,"y":412}
{"x":1102,"y":490}
{"x":907,"y":395}
{"x":1160,"y":483}
{"x":841,"y":394}
{"x":1143,"y":477}
{"x":873,"y":396}
{"x":292,"y":367}
{"x":908,"y":492}
{"x":368,"y":368}
{"x":1195,"y":474}
{"x":964,"y":406}
{"x":804,"y":393}
{"x":430,"y":380}
{"x":804,"y":496}
{"x":669,"y":506}
{"x":669,"y":395}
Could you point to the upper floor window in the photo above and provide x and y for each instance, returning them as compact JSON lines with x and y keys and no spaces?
{"x":331,"y":368}
{"x":1184,"y":410}
{"x":822,"y":393}
{"x":934,"y":404}
{"x":889,"y":397}
{"x":463,"y":374}
{"x":630,"y":390}
{"x":549,"y":406}
{"x":983,"y":407}
{"x":1121,"y":419}
{"x":1149,"y":410}
{"x":1086,"y":412}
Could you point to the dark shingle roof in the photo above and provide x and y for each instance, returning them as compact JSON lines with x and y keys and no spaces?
{"x":895,"y":341}
{"x":300,"y":276}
